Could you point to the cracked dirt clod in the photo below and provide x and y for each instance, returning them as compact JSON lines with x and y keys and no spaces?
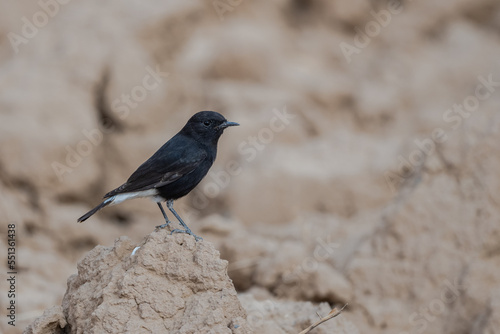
{"x":51,"y":322}
{"x":172,"y":284}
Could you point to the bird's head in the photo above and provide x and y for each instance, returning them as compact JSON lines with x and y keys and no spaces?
{"x":207,"y":126}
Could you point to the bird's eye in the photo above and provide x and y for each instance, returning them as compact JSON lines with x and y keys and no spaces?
{"x":207,"y":123}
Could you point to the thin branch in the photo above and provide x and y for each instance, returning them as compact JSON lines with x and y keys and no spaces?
{"x":333,"y":313}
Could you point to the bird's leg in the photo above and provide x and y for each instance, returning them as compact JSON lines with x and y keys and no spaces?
{"x":187,"y":230}
{"x":167,"y":222}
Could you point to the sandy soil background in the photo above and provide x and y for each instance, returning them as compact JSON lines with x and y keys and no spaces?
{"x":365,"y":170}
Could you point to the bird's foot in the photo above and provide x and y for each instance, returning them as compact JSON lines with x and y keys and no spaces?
{"x":187,"y":231}
{"x":163,"y":225}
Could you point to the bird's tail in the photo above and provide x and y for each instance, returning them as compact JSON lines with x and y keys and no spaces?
{"x":86,"y":216}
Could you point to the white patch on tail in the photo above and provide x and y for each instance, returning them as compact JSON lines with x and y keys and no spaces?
{"x":136,"y":194}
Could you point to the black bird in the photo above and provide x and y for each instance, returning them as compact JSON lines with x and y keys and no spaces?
{"x":175,"y":169}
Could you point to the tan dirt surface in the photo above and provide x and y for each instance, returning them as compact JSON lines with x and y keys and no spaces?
{"x":365,"y":169}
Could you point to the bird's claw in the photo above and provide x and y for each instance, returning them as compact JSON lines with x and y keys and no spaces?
{"x":163,"y":225}
{"x":188,"y":231}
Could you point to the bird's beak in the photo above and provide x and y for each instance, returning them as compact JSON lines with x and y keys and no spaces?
{"x":226,"y":125}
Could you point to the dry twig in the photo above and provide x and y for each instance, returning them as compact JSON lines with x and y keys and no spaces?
{"x":333,"y":313}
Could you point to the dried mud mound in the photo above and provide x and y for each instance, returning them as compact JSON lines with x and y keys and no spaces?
{"x":171,"y":284}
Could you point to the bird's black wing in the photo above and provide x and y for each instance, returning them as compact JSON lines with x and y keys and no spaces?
{"x":172,"y":161}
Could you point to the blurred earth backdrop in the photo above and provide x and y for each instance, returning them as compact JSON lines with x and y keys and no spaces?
{"x":366,"y":168}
